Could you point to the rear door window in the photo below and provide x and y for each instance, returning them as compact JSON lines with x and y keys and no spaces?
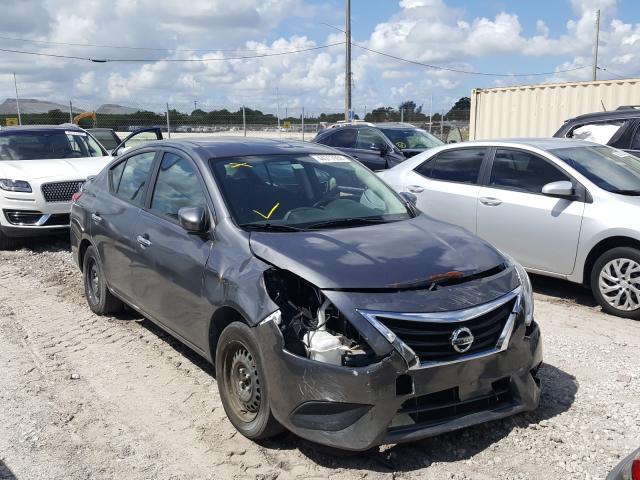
{"x":460,"y":165}
{"x":129,"y":178}
{"x":523,"y":171}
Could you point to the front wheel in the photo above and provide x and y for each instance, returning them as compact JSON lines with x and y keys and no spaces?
{"x":242,"y":384}
{"x":615,"y":282}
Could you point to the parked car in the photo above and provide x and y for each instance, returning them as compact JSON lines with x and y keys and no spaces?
{"x":106,"y":136}
{"x":378,"y":146}
{"x":338,"y":312}
{"x":563,"y":208}
{"x":619,"y":128}
{"x":627,"y":469}
{"x":41,"y":167}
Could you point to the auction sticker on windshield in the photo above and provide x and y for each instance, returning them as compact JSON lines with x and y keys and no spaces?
{"x":331,"y":158}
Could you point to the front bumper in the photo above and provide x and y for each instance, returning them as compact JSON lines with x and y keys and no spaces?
{"x":359,"y":408}
{"x":29,"y":215}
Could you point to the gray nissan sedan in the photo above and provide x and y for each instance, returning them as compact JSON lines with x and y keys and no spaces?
{"x":329,"y":304}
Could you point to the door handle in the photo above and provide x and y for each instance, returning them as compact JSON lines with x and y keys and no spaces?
{"x":415,"y":189}
{"x":143,"y":241}
{"x":96,"y":217}
{"x":490,"y":201}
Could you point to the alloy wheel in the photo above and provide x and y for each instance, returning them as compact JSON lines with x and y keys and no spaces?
{"x":619,"y":284}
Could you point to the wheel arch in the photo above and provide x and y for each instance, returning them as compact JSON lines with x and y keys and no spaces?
{"x":82,"y":249}
{"x":221,"y":319}
{"x":601,"y":247}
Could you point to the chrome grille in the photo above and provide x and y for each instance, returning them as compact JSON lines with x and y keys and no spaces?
{"x":61,"y":191}
{"x":430,"y":337}
{"x":432,"y":341}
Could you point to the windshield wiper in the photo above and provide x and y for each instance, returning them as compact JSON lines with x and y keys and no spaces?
{"x":271,"y":227}
{"x":627,"y":192}
{"x":340,"y":222}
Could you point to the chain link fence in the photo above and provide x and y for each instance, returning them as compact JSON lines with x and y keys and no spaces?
{"x":180,"y":120}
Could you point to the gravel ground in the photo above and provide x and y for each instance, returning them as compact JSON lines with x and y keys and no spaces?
{"x":91,"y":397}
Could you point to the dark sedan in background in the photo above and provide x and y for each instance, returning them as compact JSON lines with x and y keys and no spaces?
{"x":378,"y":146}
{"x":329,"y":304}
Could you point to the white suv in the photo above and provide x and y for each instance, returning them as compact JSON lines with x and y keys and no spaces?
{"x":41,"y":167}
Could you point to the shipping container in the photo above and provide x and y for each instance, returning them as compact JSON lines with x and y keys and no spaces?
{"x":540,"y":110}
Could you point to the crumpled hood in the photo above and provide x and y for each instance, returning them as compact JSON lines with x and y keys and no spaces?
{"x":68,"y":168}
{"x":390,"y":255}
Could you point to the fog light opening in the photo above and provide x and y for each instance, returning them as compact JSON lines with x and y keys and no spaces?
{"x":404,"y":385}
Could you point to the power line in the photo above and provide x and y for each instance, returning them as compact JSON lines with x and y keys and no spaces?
{"x":170,"y":60}
{"x":610,"y":72}
{"x":126,"y":47}
{"x":466,"y":72}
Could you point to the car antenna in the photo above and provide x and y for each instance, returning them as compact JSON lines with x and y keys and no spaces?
{"x":604,"y":109}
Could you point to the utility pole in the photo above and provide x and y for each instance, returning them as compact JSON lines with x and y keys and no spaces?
{"x":195,"y":104}
{"x":15,"y":84}
{"x":168,"y":122}
{"x":595,"y":47}
{"x":347,"y":76}
{"x":302,"y":123}
{"x":244,"y":121}
{"x":70,"y":112}
{"x":278,"y":108}
{"x":431,"y":114}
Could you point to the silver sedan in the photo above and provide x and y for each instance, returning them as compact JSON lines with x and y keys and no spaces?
{"x":563,"y":208}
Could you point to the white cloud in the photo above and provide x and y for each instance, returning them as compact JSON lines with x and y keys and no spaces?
{"x":428,"y":31}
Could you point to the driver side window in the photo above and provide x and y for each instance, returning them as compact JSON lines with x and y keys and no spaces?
{"x":370,"y":140}
{"x":523,"y":171}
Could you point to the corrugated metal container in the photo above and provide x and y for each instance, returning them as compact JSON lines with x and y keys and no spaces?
{"x":540,"y":110}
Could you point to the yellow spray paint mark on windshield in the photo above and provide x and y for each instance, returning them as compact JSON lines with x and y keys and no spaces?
{"x":268,"y":216}
{"x":238,"y":165}
{"x":401,"y":144}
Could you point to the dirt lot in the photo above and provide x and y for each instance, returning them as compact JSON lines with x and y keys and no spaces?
{"x":88,"y":397}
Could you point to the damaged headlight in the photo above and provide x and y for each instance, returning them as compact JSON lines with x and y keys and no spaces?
{"x":311,"y":325}
{"x":527,"y":293}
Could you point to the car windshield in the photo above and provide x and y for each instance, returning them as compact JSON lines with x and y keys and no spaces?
{"x":289,"y":192}
{"x":404,"y":138}
{"x":610,"y":169}
{"x":47,"y":144}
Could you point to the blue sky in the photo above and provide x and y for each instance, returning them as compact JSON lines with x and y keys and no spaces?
{"x":505,"y":36}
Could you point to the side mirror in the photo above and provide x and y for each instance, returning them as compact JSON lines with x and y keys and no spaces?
{"x":193,"y":219}
{"x":409,"y":198}
{"x":561,"y":189}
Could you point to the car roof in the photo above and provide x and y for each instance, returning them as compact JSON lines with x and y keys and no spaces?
{"x":543,"y":143}
{"x":36,"y":128}
{"x":619,"y":114}
{"x":216,"y":147}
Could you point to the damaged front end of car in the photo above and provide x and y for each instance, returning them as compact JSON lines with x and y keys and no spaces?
{"x":356,"y":368}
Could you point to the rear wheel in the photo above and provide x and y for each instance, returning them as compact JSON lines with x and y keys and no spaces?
{"x":99,"y":298}
{"x":242,"y":383}
{"x":615,"y":282}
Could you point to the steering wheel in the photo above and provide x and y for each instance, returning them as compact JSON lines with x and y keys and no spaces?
{"x":419,"y":145}
{"x":323,"y":202}
{"x":72,"y":154}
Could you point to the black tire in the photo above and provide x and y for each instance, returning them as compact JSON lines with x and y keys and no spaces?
{"x":6,"y":243}
{"x":242,"y":383}
{"x":626,"y":281}
{"x":99,"y":298}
